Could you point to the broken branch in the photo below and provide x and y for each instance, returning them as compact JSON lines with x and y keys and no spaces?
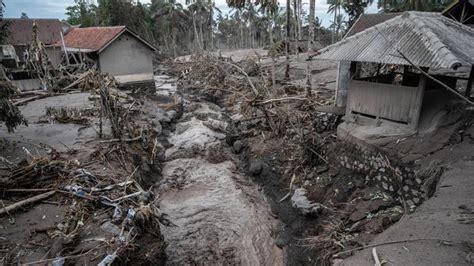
{"x":26,"y":202}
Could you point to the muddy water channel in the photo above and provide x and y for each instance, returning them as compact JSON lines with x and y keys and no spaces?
{"x":221,"y":216}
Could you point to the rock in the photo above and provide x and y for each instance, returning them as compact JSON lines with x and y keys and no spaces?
{"x":158,"y":128}
{"x":230,"y":139}
{"x":256,"y":167}
{"x":172,"y":114}
{"x":280,"y":242}
{"x":237,"y":146}
{"x":300,"y":201}
{"x":166,"y":133}
{"x":362,"y":209}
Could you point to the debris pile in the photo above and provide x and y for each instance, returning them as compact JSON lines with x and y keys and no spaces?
{"x":287,"y":126}
{"x":106,"y":210}
{"x":127,"y":210}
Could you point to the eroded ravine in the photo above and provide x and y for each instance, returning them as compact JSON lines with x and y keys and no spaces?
{"x":221,"y":216}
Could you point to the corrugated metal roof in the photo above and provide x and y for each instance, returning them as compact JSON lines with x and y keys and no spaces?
{"x":369,"y":20}
{"x":95,"y":39}
{"x":426,"y":39}
{"x":21,"y":30}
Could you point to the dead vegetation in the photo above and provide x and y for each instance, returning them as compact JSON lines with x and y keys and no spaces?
{"x":132,"y":211}
{"x":106,"y":192}
{"x":9,"y":112}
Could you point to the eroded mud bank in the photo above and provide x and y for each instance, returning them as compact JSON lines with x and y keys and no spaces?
{"x":221,"y":216}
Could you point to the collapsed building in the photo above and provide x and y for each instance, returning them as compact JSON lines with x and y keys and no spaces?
{"x":383,"y":80}
{"x":21,"y":34}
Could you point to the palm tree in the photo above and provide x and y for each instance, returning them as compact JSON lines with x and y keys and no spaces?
{"x":311,"y":22}
{"x":271,"y":10}
{"x":287,"y":50}
{"x":212,"y":8}
{"x":355,"y":8}
{"x":334,"y":8}
{"x":237,"y":16}
{"x":417,"y":5}
{"x":198,"y":11}
{"x":338,"y":25}
{"x":174,"y":18}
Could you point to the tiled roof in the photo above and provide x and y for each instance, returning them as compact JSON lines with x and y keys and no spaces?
{"x":426,"y":39}
{"x":21,"y":30}
{"x":95,"y":39}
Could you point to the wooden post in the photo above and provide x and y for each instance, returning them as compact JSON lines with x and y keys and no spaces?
{"x":64,"y":48}
{"x":469,"y":83}
{"x":418,"y":102}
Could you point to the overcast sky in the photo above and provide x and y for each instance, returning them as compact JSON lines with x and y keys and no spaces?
{"x":56,"y":8}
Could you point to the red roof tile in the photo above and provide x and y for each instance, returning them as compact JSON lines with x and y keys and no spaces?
{"x":93,"y":38}
{"x":21,"y":30}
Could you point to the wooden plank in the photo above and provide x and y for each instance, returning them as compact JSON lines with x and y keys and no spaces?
{"x":393,"y":102}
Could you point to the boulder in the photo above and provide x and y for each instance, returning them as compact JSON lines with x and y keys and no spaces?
{"x":238,"y":146}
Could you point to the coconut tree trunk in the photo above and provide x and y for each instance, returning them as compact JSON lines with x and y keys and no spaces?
{"x":270,"y":35}
{"x":295,"y":34}
{"x":300,"y":18}
{"x":203,"y":46}
{"x":241,"y":34}
{"x":174,"y":43}
{"x":334,"y":30}
{"x":196,"y":34}
{"x":312,"y":4}
{"x":288,"y":32}
{"x":211,"y":33}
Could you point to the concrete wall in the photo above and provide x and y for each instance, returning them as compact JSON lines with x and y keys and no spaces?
{"x":342,"y":82}
{"x":385,"y":101}
{"x":55,"y":55}
{"x":20,"y":52}
{"x":129,"y":58}
{"x":27,"y":84}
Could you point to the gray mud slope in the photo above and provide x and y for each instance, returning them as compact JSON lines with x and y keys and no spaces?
{"x":221,"y":217}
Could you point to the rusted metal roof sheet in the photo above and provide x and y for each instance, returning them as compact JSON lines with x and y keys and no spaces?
{"x":426,"y":39}
{"x":95,"y":39}
{"x":369,"y":20}
{"x":21,"y":30}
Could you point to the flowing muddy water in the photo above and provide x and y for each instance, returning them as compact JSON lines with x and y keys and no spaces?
{"x":221,"y":216}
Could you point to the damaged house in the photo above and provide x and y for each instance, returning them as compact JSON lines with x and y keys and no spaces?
{"x":20,"y":33}
{"x":115,"y":50}
{"x":20,"y":36}
{"x":383,"y":83}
